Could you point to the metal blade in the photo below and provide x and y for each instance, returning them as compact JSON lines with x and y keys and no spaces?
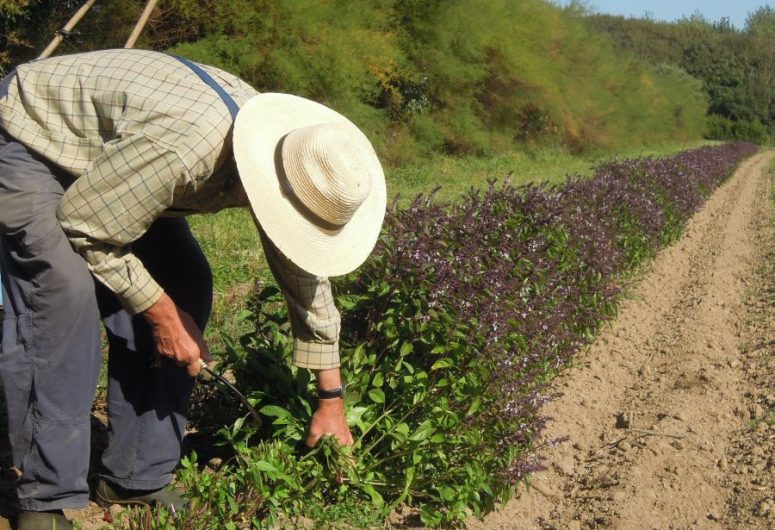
{"x":218,"y":377}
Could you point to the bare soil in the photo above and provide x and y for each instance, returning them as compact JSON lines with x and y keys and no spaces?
{"x":670,"y":415}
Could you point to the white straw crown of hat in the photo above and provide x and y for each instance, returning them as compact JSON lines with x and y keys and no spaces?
{"x":313,"y":180}
{"x":324,"y":169}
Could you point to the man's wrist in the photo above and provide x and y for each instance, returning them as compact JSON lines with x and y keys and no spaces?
{"x":332,"y":393}
{"x":161,"y":310}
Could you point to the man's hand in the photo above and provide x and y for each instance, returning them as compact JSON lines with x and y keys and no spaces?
{"x":329,"y":418}
{"x":177,"y":335}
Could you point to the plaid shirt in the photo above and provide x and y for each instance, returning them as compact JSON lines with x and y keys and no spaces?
{"x":144,"y":137}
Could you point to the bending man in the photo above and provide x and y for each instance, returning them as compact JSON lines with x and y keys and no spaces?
{"x":100,"y":155}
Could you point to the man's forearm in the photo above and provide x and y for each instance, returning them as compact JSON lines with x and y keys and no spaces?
{"x":328,"y":379}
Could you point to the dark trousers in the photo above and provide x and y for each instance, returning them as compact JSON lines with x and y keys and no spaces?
{"x":51,"y":347}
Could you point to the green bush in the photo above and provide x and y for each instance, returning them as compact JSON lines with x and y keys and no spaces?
{"x":734,"y":66}
{"x":721,"y":128}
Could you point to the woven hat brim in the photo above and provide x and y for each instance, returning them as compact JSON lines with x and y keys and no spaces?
{"x":261,"y":124}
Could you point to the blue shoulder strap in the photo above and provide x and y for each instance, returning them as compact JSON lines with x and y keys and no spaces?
{"x":204,"y":76}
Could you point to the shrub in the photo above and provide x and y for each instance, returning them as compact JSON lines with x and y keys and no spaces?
{"x":721,"y":128}
{"x":452,"y":330}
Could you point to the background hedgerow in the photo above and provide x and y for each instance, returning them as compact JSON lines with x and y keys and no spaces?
{"x":452,"y":330}
{"x":420,"y":78}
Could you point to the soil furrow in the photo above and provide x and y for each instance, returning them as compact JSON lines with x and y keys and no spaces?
{"x":652,"y":407}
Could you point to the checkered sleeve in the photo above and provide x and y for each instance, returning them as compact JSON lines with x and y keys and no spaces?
{"x":126,"y":188}
{"x":315,"y":321}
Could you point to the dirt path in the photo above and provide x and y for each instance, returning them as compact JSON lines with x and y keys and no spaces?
{"x":671,"y":413}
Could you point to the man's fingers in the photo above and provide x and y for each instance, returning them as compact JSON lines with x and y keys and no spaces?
{"x":192,"y":362}
{"x":177,"y":336}
{"x":194,"y":366}
{"x":193,"y":369}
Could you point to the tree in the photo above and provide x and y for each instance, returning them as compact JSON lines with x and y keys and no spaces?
{"x":12,"y":13}
{"x":26,"y":25}
{"x":578,"y":8}
{"x":761,"y":22}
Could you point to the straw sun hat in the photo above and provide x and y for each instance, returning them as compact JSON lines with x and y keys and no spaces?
{"x":314,"y":183}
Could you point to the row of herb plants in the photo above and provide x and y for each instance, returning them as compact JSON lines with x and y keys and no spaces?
{"x":451,"y":332}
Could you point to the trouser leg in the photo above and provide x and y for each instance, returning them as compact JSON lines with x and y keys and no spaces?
{"x":50,"y":356}
{"x":2,"y":311}
{"x":147,"y":405}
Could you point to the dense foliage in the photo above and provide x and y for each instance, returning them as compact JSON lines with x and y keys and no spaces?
{"x":736,"y":67}
{"x":451,"y":332}
{"x":420,"y":77}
